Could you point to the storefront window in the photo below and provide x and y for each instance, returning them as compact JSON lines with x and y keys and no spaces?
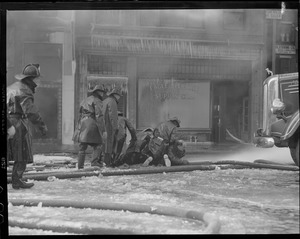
{"x":160,"y":99}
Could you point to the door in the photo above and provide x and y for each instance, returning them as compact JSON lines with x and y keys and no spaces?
{"x":230,"y":111}
{"x":48,"y":93}
{"x":219,"y":109}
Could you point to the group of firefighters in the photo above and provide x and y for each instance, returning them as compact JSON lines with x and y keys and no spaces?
{"x":100,"y":125}
{"x":103,"y":127}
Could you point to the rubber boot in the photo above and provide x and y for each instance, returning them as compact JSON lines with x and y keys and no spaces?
{"x":17,"y":181}
{"x":21,"y":184}
{"x":167,"y":160}
{"x":147,"y":161}
{"x":81,"y":159}
{"x":107,"y":159}
{"x":96,"y":157}
{"x":97,"y":162}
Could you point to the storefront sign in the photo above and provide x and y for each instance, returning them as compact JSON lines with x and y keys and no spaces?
{"x":285,"y":49}
{"x":273,"y":14}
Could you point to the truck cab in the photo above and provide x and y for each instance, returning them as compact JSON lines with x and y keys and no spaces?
{"x":280,"y":114}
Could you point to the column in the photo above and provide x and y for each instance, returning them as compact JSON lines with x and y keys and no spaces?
{"x":68,"y":86}
{"x":132,"y":90}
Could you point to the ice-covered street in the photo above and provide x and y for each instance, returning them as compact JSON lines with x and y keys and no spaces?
{"x":246,"y":201}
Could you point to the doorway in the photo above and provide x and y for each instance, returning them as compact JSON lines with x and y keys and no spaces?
{"x":230,"y":111}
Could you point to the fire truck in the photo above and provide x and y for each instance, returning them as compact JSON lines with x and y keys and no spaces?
{"x":280,"y":114}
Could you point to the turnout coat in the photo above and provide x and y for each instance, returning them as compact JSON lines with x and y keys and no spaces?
{"x":21,"y":111}
{"x":110,"y":111}
{"x":168,"y":131}
{"x":124,"y":123}
{"x":90,"y":126}
{"x":138,"y":144}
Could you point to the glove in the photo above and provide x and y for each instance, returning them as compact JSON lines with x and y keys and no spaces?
{"x":104,"y":136}
{"x":44,"y":130}
{"x":11,"y":132}
{"x":180,"y":142}
{"x":134,"y":138}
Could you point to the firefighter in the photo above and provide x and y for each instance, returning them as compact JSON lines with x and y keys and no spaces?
{"x":110,"y":111}
{"x":167,"y":130}
{"x":123,"y":124}
{"x":156,"y":149}
{"x":22,"y":110}
{"x":11,"y":130}
{"x":90,"y":127}
{"x":137,"y":152}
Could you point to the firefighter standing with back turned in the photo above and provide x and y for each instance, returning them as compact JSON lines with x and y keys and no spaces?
{"x":90,"y":127}
{"x":110,"y":111}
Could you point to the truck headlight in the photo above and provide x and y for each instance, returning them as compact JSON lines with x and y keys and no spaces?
{"x":277,"y":106}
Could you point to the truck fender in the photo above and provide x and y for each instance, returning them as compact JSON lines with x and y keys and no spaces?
{"x":291,"y":127}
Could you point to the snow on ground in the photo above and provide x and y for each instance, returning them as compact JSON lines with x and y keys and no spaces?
{"x":247,"y":201}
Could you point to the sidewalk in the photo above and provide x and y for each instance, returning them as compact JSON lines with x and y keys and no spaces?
{"x":191,"y":148}
{"x":214,"y":148}
{"x":205,"y":151}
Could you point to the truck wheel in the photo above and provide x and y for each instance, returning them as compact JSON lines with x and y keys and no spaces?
{"x":295,"y":153}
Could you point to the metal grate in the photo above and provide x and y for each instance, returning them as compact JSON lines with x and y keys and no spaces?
{"x":102,"y":65}
{"x":194,"y":69}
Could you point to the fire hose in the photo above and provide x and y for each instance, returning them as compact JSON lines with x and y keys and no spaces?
{"x":204,"y":166}
{"x":94,"y":171}
{"x":211,"y":222}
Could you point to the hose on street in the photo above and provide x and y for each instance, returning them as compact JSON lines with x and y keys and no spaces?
{"x":252,"y":165}
{"x":204,"y":166}
{"x":68,"y":229}
{"x":211,"y":222}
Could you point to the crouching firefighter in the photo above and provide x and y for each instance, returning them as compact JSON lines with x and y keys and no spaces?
{"x":175,"y":149}
{"x":90,"y":127}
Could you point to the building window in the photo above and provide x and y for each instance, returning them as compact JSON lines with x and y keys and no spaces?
{"x":195,"y":19}
{"x":107,"y":17}
{"x":234,"y":20}
{"x":172,"y":18}
{"x":102,"y":65}
{"x":149,"y":18}
{"x":285,"y":65}
{"x":48,"y":13}
{"x":286,"y":35}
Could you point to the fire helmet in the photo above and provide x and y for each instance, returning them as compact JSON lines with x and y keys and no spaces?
{"x":31,"y":70}
{"x":97,"y":87}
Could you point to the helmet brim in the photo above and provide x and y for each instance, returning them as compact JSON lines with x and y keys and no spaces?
{"x":22,"y":76}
